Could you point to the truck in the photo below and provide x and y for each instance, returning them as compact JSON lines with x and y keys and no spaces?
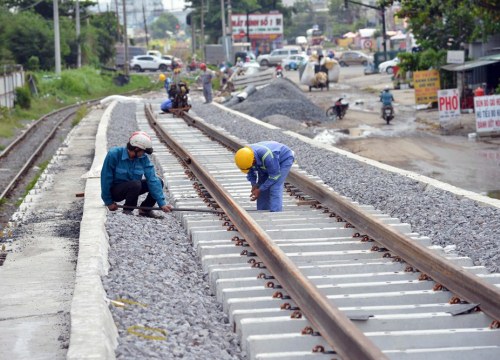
{"x":314,"y":37}
{"x":214,"y":53}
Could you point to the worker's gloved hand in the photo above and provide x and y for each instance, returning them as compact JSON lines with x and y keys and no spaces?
{"x":255,"y":193}
{"x":113,"y":207}
{"x":166,"y":208}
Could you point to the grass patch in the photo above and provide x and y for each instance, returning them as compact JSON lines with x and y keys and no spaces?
{"x":80,"y":114}
{"x":71,"y":87}
{"x":33,"y":181}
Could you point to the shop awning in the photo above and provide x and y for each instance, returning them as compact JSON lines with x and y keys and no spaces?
{"x":495,"y":57}
{"x":468,"y":65}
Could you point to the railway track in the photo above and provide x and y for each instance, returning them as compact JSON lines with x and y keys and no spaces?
{"x":326,"y":278}
{"x":27,"y":150}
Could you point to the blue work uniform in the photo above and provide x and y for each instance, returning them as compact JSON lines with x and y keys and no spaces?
{"x":166,"y":105}
{"x":122,"y":179}
{"x":273,"y":162}
{"x":166,"y":84}
{"x":386,"y":98}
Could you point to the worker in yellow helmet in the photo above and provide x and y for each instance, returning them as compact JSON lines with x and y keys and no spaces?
{"x":166,"y":81}
{"x":267,"y":165}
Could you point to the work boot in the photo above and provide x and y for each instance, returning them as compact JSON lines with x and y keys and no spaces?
{"x":150,"y":214}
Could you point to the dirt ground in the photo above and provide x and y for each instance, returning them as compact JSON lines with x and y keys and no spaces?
{"x":415,"y":140}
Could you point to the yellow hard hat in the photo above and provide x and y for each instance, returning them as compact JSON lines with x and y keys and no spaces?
{"x":244,"y":159}
{"x":162,"y":77}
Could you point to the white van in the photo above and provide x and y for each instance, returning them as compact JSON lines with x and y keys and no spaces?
{"x":278,"y":55}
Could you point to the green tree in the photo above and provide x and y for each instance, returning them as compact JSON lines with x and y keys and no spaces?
{"x":6,"y":56}
{"x":448,"y":24}
{"x":99,"y":38}
{"x":165,"y":22}
{"x":345,"y":20}
{"x":28,"y":34}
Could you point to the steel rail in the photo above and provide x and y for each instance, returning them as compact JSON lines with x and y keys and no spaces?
{"x":33,"y":157}
{"x":462,"y":283}
{"x":334,"y":326}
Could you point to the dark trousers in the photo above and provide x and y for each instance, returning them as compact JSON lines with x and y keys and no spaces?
{"x":130,"y":191}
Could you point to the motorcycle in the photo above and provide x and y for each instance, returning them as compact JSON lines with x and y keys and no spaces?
{"x":338,"y":110}
{"x":388,"y":113}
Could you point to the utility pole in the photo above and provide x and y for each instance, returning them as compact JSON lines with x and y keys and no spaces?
{"x":224,"y":34}
{"x":117,"y":20}
{"x":145,"y":25}
{"x":382,"y":11}
{"x":229,"y":20}
{"x":125,"y":37}
{"x":79,"y":47}
{"x":57,"y":41}
{"x":202,"y":40}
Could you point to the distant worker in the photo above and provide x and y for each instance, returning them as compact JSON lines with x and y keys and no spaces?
{"x":176,"y":77}
{"x":166,"y":81}
{"x":166,"y":105}
{"x":267,"y":165}
{"x":386,"y":98}
{"x":122,"y":176}
{"x":331,"y":54}
{"x":279,"y":70}
{"x":239,"y":63}
{"x":480,"y":90}
{"x":206,"y":80}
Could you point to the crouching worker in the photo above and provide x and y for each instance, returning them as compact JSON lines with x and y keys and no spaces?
{"x":122,"y":176}
{"x":267,"y":165}
{"x":166,"y":105}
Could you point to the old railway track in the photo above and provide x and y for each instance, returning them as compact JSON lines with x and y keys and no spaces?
{"x":326,"y":278}
{"x":35,"y":145}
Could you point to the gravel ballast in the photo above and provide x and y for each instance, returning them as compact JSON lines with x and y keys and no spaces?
{"x":448,"y":219}
{"x":155,"y":273}
{"x":154,"y":265}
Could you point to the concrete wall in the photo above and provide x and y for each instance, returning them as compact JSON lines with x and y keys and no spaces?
{"x":10,"y":78}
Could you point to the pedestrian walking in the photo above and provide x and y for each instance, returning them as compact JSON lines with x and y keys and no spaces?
{"x":206,"y":80}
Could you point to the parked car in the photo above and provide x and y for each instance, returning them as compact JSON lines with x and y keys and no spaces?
{"x":354,"y":58}
{"x":388,"y":66}
{"x":148,"y":62}
{"x":276,"y":56}
{"x":293,"y":61}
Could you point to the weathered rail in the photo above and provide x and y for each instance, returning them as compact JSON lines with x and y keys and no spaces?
{"x":332,"y":324}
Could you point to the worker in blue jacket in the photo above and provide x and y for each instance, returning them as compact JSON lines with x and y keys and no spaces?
{"x":267,"y":165}
{"x":127,"y":172}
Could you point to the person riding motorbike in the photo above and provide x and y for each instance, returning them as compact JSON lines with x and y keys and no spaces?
{"x":279,"y":71}
{"x":386,"y":98}
{"x":340,"y":104}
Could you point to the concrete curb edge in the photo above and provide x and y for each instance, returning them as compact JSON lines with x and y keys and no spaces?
{"x":93,"y":331}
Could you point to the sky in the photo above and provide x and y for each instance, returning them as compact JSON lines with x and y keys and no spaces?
{"x":175,"y":4}
{"x":167,"y":4}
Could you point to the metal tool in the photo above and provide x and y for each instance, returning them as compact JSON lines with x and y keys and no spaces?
{"x":173,"y":209}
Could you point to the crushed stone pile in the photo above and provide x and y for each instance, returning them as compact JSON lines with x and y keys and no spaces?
{"x":281,"y":97}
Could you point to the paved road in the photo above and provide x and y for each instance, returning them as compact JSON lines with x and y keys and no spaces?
{"x":415,"y":140}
